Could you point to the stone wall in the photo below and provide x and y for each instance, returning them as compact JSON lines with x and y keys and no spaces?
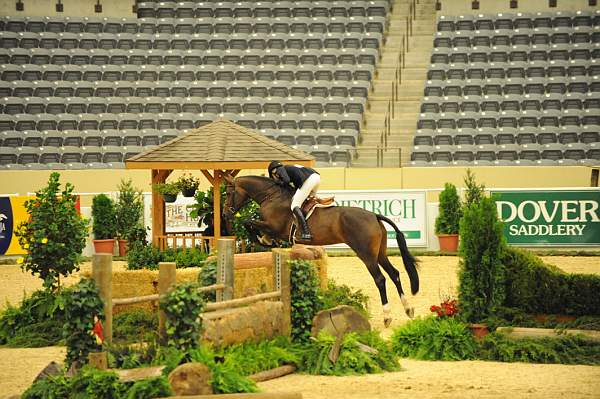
{"x":254,"y":322}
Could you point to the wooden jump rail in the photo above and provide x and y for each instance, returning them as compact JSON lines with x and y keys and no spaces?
{"x":102,"y":274}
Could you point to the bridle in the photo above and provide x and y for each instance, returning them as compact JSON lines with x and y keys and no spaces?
{"x":230,"y":191}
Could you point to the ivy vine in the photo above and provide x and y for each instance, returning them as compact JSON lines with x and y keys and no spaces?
{"x":82,"y":304}
{"x":183,"y":306}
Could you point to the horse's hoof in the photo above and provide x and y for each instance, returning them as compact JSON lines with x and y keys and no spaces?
{"x":387,"y":321}
{"x":410,"y":312}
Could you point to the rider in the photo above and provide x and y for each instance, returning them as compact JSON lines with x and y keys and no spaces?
{"x":304,"y":180}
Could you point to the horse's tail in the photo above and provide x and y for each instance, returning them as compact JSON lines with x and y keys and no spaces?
{"x":410,"y":263}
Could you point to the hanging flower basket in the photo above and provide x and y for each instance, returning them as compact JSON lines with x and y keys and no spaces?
{"x":170,"y":197}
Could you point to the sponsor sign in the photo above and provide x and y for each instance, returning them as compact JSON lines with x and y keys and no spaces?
{"x":12,"y":213}
{"x":549,"y":217}
{"x":406,"y":208}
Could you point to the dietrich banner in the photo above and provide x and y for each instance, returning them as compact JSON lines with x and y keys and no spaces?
{"x":550,"y":217}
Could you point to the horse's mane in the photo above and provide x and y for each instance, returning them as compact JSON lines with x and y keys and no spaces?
{"x":285,"y":191}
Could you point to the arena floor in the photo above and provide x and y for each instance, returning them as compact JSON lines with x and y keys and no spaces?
{"x":469,"y":379}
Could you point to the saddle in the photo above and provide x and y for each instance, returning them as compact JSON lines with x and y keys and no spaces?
{"x":308,"y":207}
{"x":313,"y":202}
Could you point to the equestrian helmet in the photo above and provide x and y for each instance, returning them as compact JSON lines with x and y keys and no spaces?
{"x":272,"y":166}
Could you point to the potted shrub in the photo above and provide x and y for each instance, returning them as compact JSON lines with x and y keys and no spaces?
{"x":129,"y":210}
{"x":104,"y":223}
{"x":447,"y":221}
{"x":188,"y":184}
{"x":169,"y":191}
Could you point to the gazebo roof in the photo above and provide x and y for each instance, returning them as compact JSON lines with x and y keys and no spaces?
{"x":221,"y":144}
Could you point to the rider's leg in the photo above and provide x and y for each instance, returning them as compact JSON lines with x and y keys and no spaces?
{"x":310,"y":185}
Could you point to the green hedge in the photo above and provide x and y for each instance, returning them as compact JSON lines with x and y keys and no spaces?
{"x":536,"y":287}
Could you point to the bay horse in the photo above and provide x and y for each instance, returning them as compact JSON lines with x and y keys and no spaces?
{"x":361,"y":230}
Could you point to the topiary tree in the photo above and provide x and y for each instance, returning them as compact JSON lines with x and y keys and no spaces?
{"x":104,"y":218}
{"x":129,"y":209}
{"x":55,"y":234}
{"x":475,"y":191}
{"x":448,"y":219}
{"x":481,"y":271}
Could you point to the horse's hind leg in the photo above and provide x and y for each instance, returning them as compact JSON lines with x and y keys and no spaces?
{"x":367,"y":252}
{"x":394,"y":274}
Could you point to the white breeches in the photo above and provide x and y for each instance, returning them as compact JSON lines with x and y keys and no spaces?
{"x":310,"y":186}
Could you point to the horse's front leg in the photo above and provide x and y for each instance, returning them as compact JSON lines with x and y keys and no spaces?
{"x":263,"y":233}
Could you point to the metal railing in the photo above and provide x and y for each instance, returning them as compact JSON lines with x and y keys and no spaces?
{"x":354,"y":157}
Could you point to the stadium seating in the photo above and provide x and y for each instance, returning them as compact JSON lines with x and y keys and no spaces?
{"x":518,"y":88}
{"x":109,"y":87}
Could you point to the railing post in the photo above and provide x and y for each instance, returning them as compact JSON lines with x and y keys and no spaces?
{"x":167,"y":278}
{"x":282,"y":282}
{"x":225,"y":269}
{"x":102,"y":275}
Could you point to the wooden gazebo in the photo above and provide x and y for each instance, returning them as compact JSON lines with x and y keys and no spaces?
{"x":217,"y":149}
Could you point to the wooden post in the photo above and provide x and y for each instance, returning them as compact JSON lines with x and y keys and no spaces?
{"x":282,"y":282}
{"x":102,"y":275}
{"x":167,"y":277}
{"x":225,"y":269}
{"x":158,"y":206}
{"x":217,"y":203}
{"x":98,"y":360}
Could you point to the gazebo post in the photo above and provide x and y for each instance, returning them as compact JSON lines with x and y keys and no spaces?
{"x":158,"y":206}
{"x":217,"y":203}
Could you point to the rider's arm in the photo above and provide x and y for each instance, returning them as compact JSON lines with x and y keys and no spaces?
{"x":283,"y":175}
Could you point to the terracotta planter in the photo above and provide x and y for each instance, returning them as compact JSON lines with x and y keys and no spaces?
{"x":170,"y":197}
{"x":122,"y":247}
{"x":104,"y":246}
{"x":479,"y":330}
{"x":448,"y":242}
{"x":188,"y":192}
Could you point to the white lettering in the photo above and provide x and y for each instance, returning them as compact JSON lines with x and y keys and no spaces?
{"x":548,"y":217}
{"x":580,"y":228}
{"x":592,"y":211}
{"x":521,"y":211}
{"x":514,"y":230}
{"x":566,"y":210}
{"x":511,"y":207}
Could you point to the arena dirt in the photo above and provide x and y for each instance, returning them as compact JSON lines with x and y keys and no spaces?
{"x":418,"y":379}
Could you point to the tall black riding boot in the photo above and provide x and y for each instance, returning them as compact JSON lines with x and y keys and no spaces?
{"x":302,"y":224}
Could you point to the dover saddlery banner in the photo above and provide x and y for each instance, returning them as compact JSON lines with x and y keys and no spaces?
{"x":406,"y":208}
{"x":549,"y":217}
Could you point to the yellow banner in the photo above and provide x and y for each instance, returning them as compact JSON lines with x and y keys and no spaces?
{"x":12,"y":213}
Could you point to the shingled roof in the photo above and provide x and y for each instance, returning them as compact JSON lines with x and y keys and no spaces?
{"x":221,"y":144}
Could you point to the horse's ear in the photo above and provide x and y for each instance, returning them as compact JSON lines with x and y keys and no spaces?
{"x":228,"y":178}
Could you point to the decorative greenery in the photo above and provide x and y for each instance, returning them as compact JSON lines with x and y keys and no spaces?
{"x":158,"y":387}
{"x":247,"y":213}
{"x":352,"y":360}
{"x":188,"y":257}
{"x":166,"y":188}
{"x":54,"y":236}
{"x":143,"y":256}
{"x":250,"y":358}
{"x":481,"y":269}
{"x":37,"y":322}
{"x":225,"y":377}
{"x":208,"y":276}
{"x":565,"y":350}
{"x":203,"y":209}
{"x":305,"y":297}
{"x":97,"y":384}
{"x":475,"y":191}
{"x":447,"y":221}
{"x":82,"y":304}
{"x":137,"y":234}
{"x":146,"y":256}
{"x":129,"y":209}
{"x":134,"y":326}
{"x":104,"y":217}
{"x":536,"y":287}
{"x":336,"y":295}
{"x":187,"y":182}
{"x":183,"y":306}
{"x":434,"y":338}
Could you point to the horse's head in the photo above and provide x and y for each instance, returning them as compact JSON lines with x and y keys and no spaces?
{"x":236,"y":198}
